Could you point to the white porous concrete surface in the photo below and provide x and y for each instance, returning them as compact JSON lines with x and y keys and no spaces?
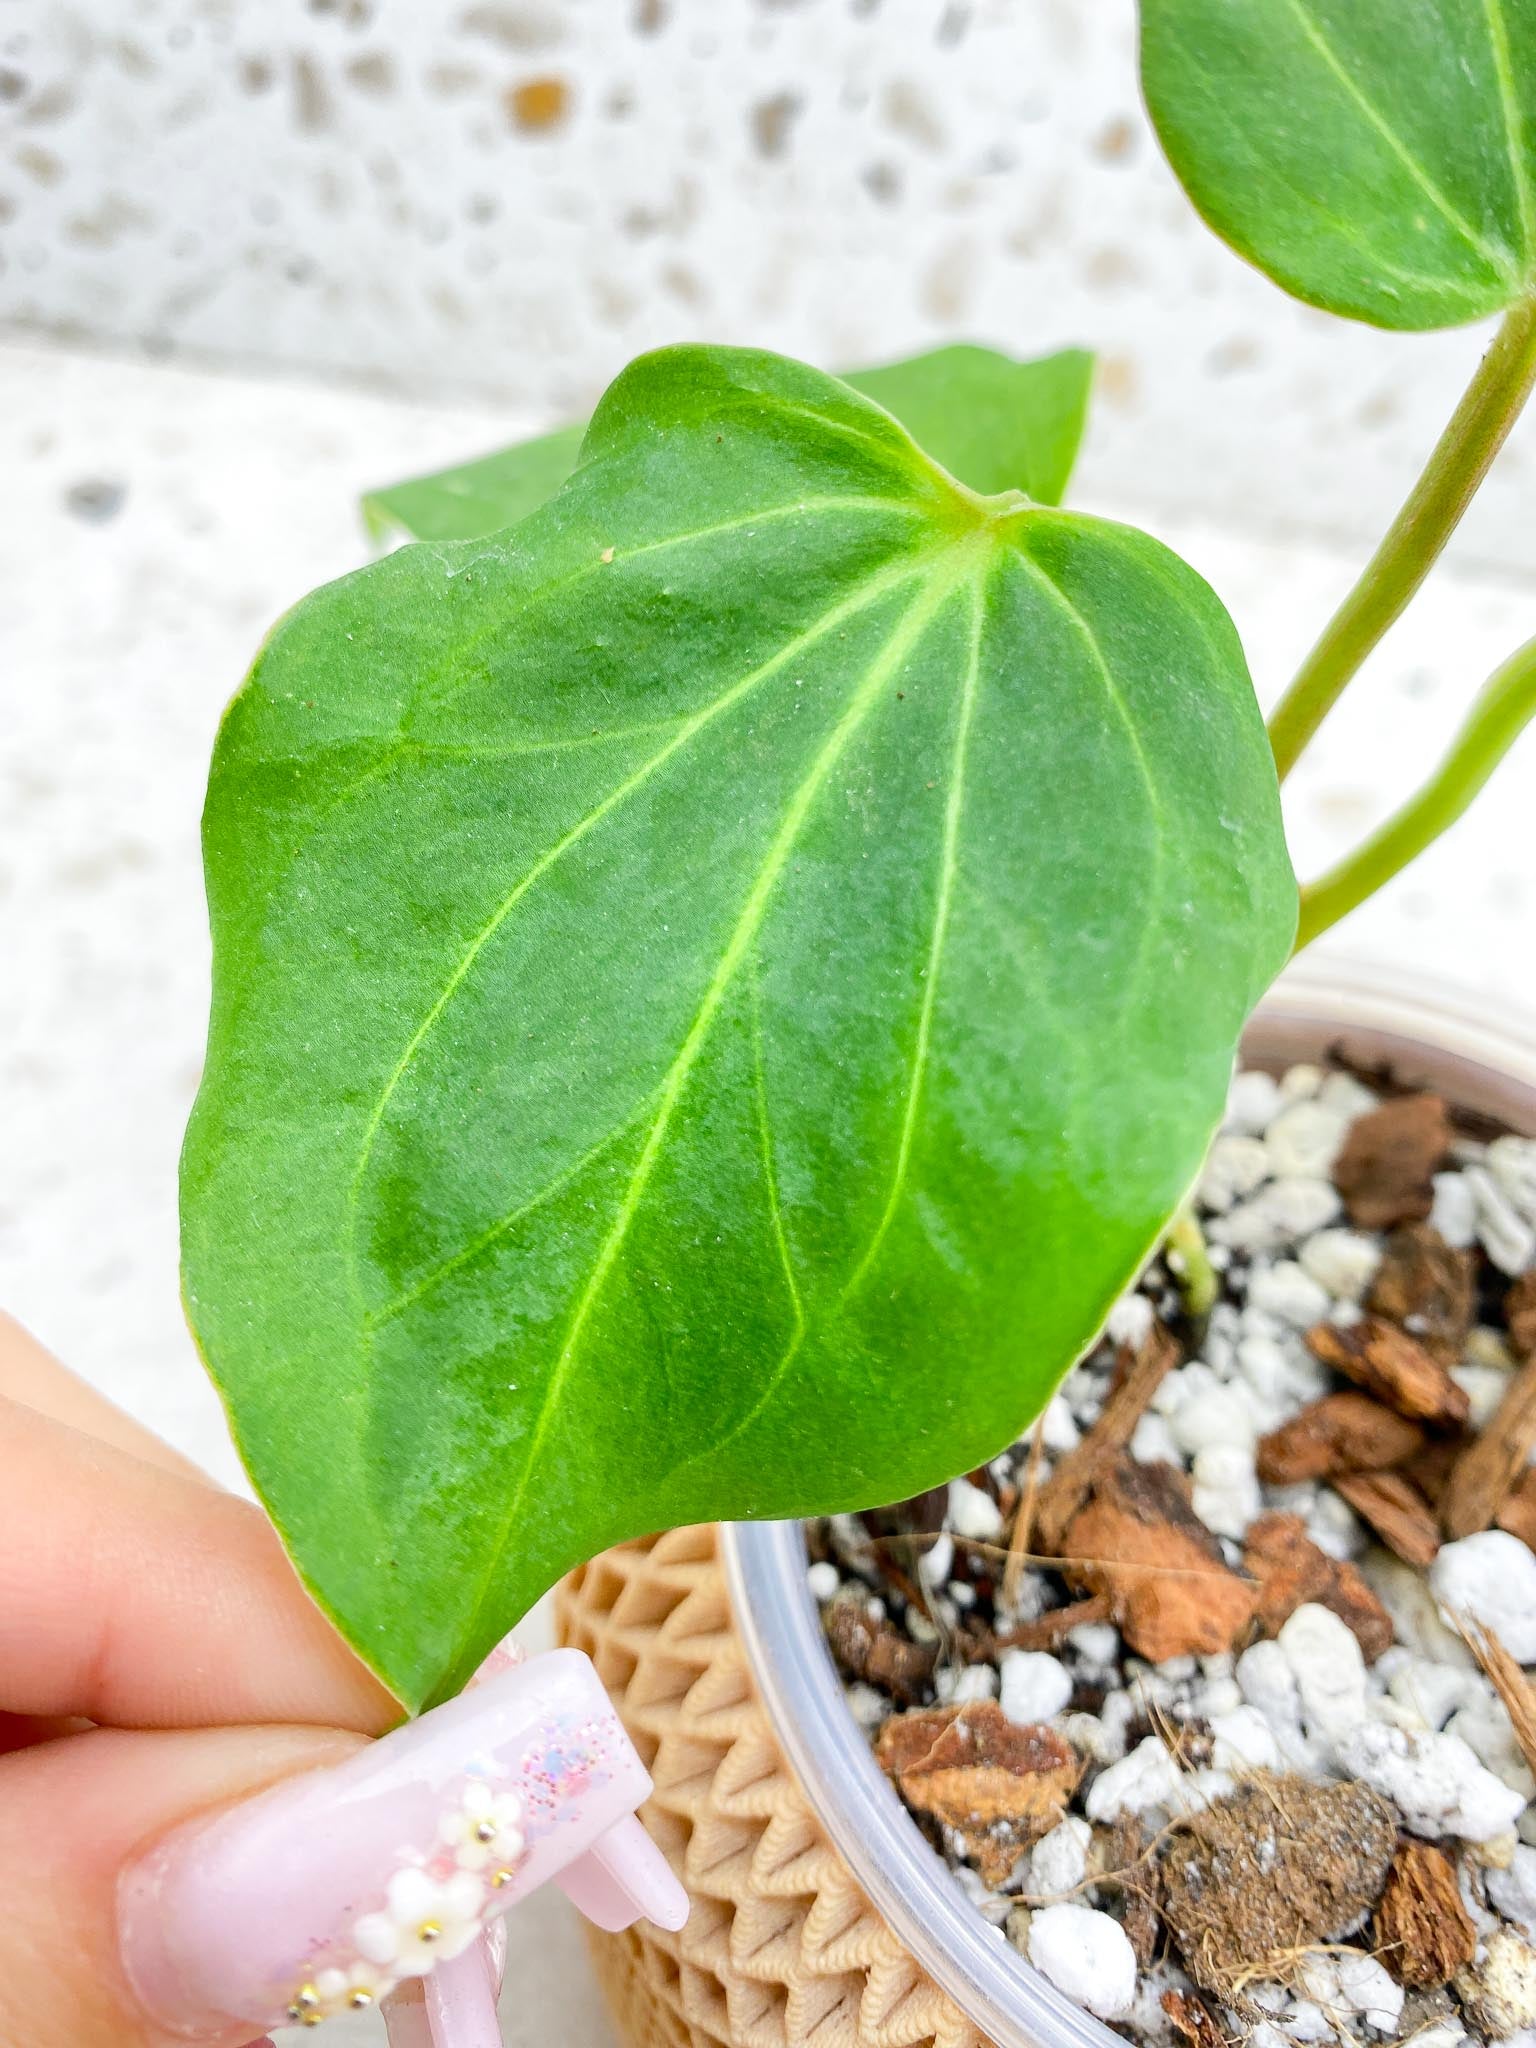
{"x":512,"y":197}
{"x":154,"y":521}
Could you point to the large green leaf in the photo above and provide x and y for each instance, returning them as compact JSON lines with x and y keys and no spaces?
{"x":715,"y":991}
{"x":993,"y":422}
{"x":1375,"y":157}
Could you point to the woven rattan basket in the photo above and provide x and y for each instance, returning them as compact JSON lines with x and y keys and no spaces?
{"x":781,"y":1948}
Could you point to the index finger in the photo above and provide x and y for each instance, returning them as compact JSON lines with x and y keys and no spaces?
{"x":132,"y":1595}
{"x":30,"y":1373}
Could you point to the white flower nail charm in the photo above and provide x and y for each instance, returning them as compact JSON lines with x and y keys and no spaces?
{"x":485,"y":1829}
{"x":361,"y":1986}
{"x":424,"y":1919}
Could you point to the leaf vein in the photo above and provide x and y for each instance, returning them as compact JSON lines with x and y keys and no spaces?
{"x":432,"y":1280}
{"x":864,"y":595}
{"x":954,"y":809}
{"x":1123,"y":710}
{"x":1345,"y":229}
{"x":1312,"y":30}
{"x":770,"y":1177}
{"x":913,"y":621}
{"x":1498,"y":36}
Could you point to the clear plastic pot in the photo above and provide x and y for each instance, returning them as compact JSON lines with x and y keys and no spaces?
{"x":1475,"y":1052}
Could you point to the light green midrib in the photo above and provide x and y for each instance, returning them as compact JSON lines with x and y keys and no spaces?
{"x":914,"y":622}
{"x":948,"y":867}
{"x":1003,"y":541}
{"x":1471,"y":235}
{"x":1344,"y":230}
{"x":954,"y":806}
{"x":770,"y":1169}
{"x":865,"y":594}
{"x":1476,"y":301}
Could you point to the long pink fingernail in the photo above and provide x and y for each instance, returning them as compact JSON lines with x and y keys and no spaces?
{"x":323,"y":1894}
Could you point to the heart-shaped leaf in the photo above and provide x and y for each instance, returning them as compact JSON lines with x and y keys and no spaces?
{"x":993,"y":422}
{"x":1375,"y":157}
{"x":715,"y":992}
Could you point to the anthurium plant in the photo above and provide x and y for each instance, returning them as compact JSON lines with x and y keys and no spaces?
{"x":728,"y":953}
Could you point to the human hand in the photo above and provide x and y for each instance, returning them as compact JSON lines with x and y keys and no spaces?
{"x":159,"y":1666}
{"x":158,"y":1659}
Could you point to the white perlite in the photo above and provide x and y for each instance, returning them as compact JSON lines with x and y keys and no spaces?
{"x":994,"y":1907}
{"x":1513,"y":1891}
{"x":1096,"y":1642}
{"x":1130,"y":1321}
{"x":1325,"y":1661}
{"x":1211,"y":1415}
{"x":1278,"y":1215}
{"x":1429,"y":1690}
{"x":1416,"y":1617}
{"x":1253,"y":1101}
{"x":1512,"y":1162}
{"x":1146,"y":1778}
{"x":1421,"y":1725}
{"x":1434,"y":1781}
{"x":1485,"y":1727}
{"x":1351,"y":1098}
{"x":1484,"y":1387}
{"x":1504,"y":1233}
{"x":1303,"y":1079}
{"x":961,"y":1688}
{"x":1225,"y":1494}
{"x":1035,"y":1685}
{"x":936,"y":1562}
{"x":1454,"y":1212}
{"x":1305,"y":1139}
{"x":973,"y":1514}
{"x":823,"y":1581}
{"x":1269,"y":1684}
{"x":1342,"y":1983}
{"x":1243,"y":1741}
{"x":1087,"y":1955}
{"x":1058,"y":1862}
{"x":1490,"y":1578}
{"x":1058,"y":1428}
{"x":1234,"y":1166}
{"x":1288,"y":1292}
{"x":1342,"y":1261}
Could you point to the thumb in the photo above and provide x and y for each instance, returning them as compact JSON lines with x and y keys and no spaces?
{"x":75,"y":1815}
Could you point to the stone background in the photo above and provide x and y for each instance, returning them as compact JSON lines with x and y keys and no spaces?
{"x":256,"y":257}
{"x":506,"y":199}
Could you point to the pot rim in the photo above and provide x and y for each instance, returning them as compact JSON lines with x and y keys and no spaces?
{"x":1411,"y":1020}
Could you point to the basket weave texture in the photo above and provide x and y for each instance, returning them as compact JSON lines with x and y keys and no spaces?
{"x":782,"y":1949}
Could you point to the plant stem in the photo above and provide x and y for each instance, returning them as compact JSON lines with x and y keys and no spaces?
{"x":1191,"y":1264}
{"x":1503,"y":707}
{"x":1489,"y":408}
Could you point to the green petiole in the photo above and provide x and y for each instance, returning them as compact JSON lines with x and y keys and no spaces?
{"x":1498,"y":717}
{"x":1430,"y":515}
